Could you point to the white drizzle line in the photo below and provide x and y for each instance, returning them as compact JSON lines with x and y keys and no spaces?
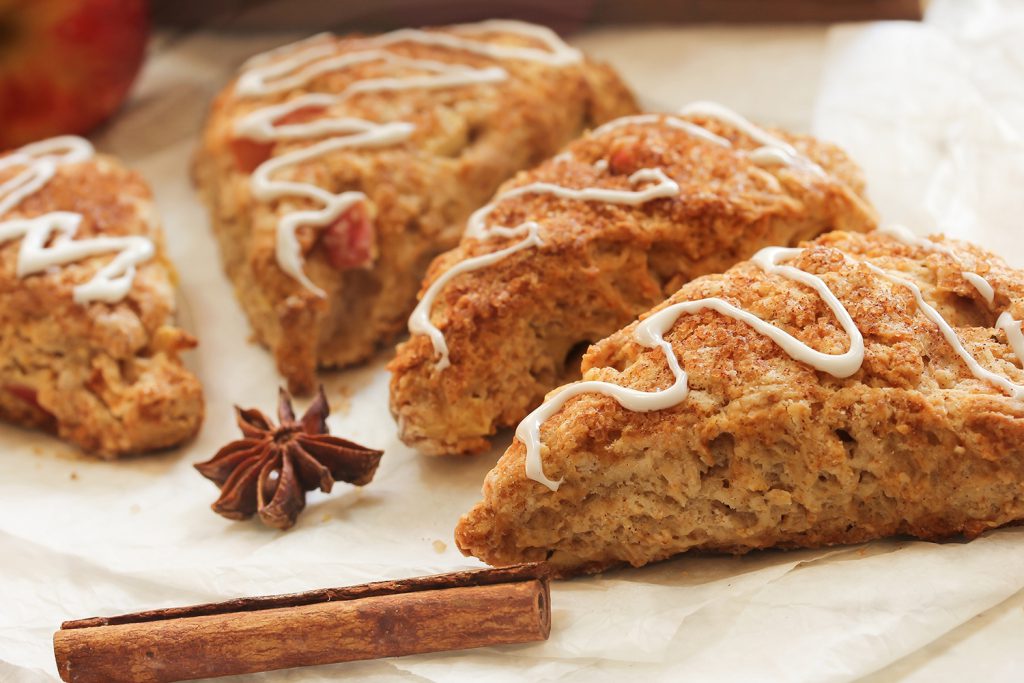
{"x":1016,"y":391}
{"x":1014,"y":335}
{"x":258,"y":83}
{"x":272,"y":54}
{"x":650,"y":333}
{"x":265,"y":188}
{"x":556,"y":52}
{"x":1005,"y":322}
{"x":293,"y":66}
{"x":476,"y":227}
{"x":903,"y":234}
{"x":663,"y":187}
{"x":419,"y":321}
{"x":774,"y":150}
{"x":57,"y":229}
{"x":984,"y":287}
{"x":662,"y":119}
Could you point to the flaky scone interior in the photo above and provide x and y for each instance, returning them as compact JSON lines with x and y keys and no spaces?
{"x":859,"y":387}
{"x":335,"y":169}
{"x":569,"y":252}
{"x":88,"y":345}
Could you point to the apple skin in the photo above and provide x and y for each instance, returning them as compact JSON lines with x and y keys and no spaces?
{"x":66,"y":65}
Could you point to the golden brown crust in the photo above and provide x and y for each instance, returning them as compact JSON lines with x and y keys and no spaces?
{"x":105,"y":377}
{"x":467,"y":140}
{"x":512,"y":327}
{"x":766,"y":451}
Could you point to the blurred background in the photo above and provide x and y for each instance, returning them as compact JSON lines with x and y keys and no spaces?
{"x":565,"y":16}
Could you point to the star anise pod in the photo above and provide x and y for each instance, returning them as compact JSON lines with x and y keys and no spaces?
{"x":271,"y":468}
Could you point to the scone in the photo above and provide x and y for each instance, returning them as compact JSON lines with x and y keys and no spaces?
{"x":88,"y":347}
{"x":337,"y":168}
{"x":858,"y":387}
{"x":573,"y":250}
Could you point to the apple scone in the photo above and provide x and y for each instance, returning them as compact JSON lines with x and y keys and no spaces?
{"x":857,"y":387}
{"x":335,"y":169}
{"x":88,"y":348}
{"x":569,"y":252}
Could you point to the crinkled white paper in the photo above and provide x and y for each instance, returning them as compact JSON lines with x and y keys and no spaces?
{"x":934,"y":113}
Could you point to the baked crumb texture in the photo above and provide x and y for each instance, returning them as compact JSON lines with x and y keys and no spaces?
{"x":766,"y":451}
{"x":517,"y":328}
{"x":465,"y":140}
{"x":103,"y":376}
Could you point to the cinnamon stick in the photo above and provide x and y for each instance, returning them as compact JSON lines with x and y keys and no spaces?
{"x":385,"y":619}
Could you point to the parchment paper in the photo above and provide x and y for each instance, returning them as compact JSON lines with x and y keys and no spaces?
{"x":933,"y":112}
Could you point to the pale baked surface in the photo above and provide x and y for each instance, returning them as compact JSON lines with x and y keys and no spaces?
{"x":105,"y":377}
{"x":766,"y":451}
{"x":467,"y":140}
{"x":514,"y":328}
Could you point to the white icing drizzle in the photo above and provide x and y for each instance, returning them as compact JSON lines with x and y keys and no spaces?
{"x":419,"y":321}
{"x":1014,"y":335}
{"x":662,"y":187}
{"x":667,"y":120}
{"x":265,"y":188}
{"x":281,"y":51}
{"x":1005,"y":322}
{"x":650,"y":333}
{"x":983,"y":286}
{"x":48,"y":240}
{"x":292,"y":67}
{"x":774,"y":151}
{"x":903,"y":234}
{"x":1016,"y":391}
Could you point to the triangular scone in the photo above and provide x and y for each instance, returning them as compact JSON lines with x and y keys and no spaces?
{"x":337,"y":168}
{"x":922,"y":435}
{"x":88,"y":348}
{"x":573,"y":250}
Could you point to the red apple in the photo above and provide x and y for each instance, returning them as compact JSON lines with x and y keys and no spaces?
{"x":66,"y":65}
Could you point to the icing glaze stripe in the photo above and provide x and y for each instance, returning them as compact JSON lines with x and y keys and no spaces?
{"x":1015,"y":391}
{"x":1005,"y":321}
{"x":903,"y":234}
{"x":663,"y":119}
{"x":294,"y":66}
{"x":663,"y":187}
{"x":650,"y":333}
{"x":333,"y":205}
{"x":774,"y":150}
{"x":48,"y":240}
{"x":419,"y":321}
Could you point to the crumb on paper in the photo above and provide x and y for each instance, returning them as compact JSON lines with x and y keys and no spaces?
{"x":440,"y":546}
{"x":326,"y":517}
{"x":74,"y":475}
{"x":135,"y":509}
{"x":37,"y":450}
